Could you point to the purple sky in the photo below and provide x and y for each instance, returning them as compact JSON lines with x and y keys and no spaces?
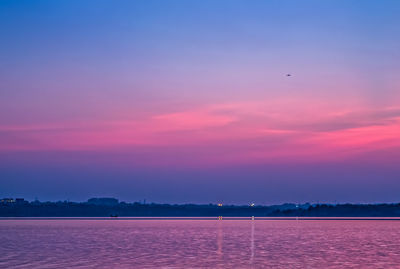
{"x":189,"y":101}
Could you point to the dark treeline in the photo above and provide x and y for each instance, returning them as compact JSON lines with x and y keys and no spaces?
{"x":70,"y":209}
{"x":94,"y":209}
{"x":343,"y":210}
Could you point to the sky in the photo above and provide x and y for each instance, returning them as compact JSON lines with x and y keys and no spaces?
{"x":190,"y":101}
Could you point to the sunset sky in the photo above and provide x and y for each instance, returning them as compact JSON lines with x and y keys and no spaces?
{"x":189,"y":101}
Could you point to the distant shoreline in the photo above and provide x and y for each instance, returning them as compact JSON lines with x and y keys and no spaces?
{"x":112,"y":208}
{"x":210,"y":218}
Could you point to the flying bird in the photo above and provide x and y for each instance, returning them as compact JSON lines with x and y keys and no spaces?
{"x":288,"y":75}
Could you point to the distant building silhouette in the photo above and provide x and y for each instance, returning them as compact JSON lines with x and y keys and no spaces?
{"x":20,"y":200}
{"x":103,"y":201}
{"x":7,"y":201}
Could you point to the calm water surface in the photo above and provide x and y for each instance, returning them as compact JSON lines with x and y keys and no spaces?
{"x":199,"y":244}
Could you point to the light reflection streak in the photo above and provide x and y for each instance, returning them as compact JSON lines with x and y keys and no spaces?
{"x":252,"y":242}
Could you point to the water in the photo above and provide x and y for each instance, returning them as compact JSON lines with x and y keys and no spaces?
{"x":118,"y":243}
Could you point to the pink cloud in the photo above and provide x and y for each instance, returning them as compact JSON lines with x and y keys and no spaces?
{"x":271,"y":130}
{"x":191,"y":120}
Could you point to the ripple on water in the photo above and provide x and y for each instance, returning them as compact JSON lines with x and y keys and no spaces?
{"x":199,"y":243}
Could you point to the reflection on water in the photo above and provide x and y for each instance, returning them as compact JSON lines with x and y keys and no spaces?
{"x":219,"y":239}
{"x":252,"y":242}
{"x":199,"y":244}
